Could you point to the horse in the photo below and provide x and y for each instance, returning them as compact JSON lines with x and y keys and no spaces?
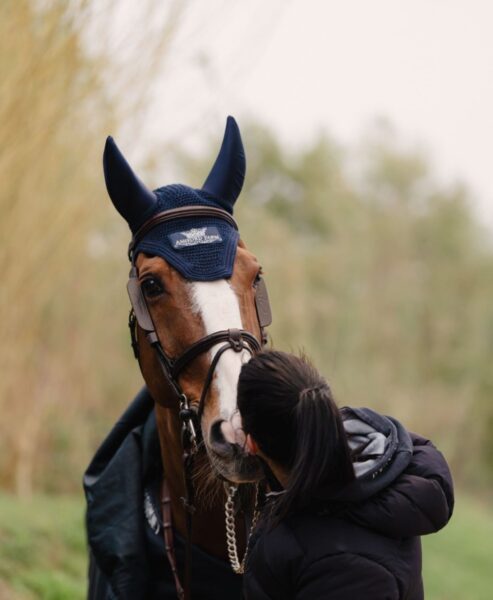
{"x":199,"y":311}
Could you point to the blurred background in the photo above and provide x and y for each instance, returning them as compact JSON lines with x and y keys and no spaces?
{"x":368,"y":199}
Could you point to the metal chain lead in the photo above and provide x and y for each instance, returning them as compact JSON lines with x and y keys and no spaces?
{"x":237,"y":566}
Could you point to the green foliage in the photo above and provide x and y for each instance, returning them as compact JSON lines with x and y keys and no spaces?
{"x":385,"y":277}
{"x":63,"y":263}
{"x":457,"y":560}
{"x":379,"y":272}
{"x":43,"y":552}
{"x":53,"y":117}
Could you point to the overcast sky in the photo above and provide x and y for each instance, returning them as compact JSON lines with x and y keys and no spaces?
{"x":303,"y":65}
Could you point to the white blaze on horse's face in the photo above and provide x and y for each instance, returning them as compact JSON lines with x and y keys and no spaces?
{"x":218,"y":307}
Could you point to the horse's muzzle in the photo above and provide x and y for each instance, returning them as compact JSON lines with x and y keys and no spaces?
{"x":226,"y":449}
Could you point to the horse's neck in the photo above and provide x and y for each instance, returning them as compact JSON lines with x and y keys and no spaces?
{"x":208,"y":518}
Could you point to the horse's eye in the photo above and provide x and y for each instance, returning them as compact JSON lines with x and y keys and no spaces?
{"x":257,"y":279}
{"x":152,"y":287}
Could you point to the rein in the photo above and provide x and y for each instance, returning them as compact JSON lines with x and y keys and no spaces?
{"x":234,"y":339}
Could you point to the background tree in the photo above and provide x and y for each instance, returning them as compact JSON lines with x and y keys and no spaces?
{"x":378,"y":271}
{"x":384,"y":276}
{"x":57,"y":232}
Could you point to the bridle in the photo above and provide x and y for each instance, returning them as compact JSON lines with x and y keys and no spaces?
{"x":235,"y":339}
{"x":231,"y":339}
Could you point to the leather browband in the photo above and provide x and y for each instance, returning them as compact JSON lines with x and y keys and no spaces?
{"x":178,"y":213}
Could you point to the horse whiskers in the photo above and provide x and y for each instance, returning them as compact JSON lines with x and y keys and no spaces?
{"x":209,"y":488}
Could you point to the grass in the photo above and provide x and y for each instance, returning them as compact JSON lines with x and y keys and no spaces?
{"x":43,"y":554}
{"x":457,"y":561}
{"x":42,"y":548}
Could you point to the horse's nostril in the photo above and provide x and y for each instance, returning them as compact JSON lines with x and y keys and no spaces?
{"x":222,"y":440}
{"x":216,"y":434}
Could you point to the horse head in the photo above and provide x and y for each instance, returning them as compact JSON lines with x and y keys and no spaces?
{"x":198,"y":297}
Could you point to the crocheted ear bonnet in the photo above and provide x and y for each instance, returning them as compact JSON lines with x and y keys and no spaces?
{"x":200,"y":248}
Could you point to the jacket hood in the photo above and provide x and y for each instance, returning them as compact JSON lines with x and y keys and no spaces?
{"x":381,"y":448}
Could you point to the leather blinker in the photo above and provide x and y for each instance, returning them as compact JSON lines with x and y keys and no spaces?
{"x":138,"y":302}
{"x":262,"y":304}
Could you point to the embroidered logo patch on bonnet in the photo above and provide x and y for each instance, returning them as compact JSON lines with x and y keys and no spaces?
{"x":194,"y":237}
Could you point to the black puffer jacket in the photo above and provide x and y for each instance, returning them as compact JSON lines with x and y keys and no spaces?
{"x":362,"y":543}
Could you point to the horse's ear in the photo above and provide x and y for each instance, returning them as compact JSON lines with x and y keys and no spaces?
{"x":130,"y":196}
{"x":228,"y":173}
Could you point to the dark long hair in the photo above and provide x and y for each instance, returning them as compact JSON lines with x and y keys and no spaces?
{"x":288,"y":409}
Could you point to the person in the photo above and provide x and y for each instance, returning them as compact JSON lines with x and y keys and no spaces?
{"x":351,"y":491}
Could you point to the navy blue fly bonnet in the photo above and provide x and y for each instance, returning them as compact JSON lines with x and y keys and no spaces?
{"x":201,"y":248}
